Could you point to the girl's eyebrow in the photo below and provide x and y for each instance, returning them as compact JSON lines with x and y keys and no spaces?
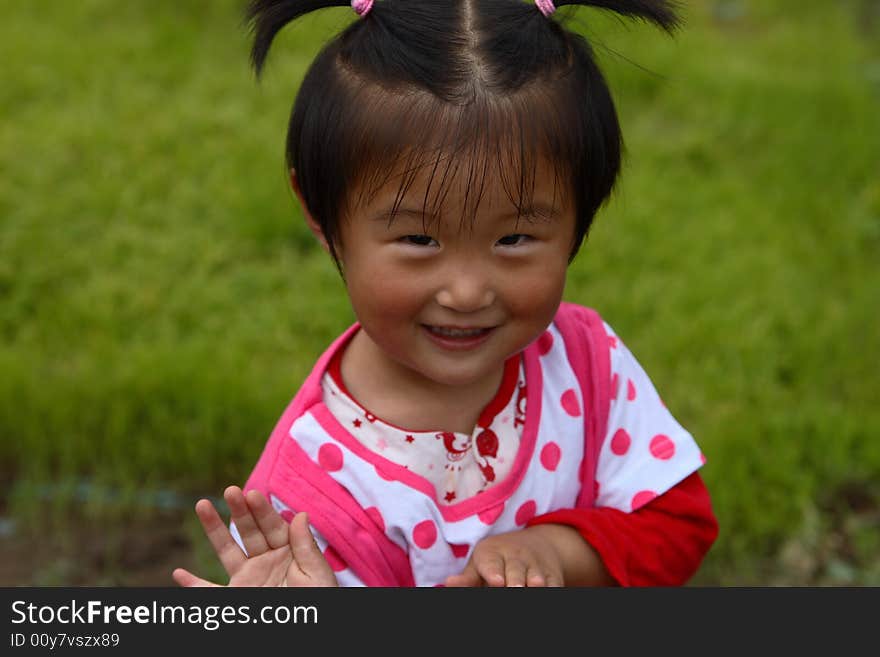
{"x":540,"y":211}
{"x":388,"y":215}
{"x":536,"y":211}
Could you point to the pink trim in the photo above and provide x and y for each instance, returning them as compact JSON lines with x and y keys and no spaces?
{"x":493,"y":496}
{"x":340,"y":519}
{"x":505,"y":392}
{"x":586,"y":345}
{"x":602,"y":389}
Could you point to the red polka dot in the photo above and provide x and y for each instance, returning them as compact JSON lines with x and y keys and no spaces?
{"x":642,"y":498}
{"x":330,"y":457}
{"x":550,"y":456}
{"x":286,"y":515}
{"x":545,"y":343}
{"x":333,"y":558}
{"x":489,"y":516}
{"x":384,"y":475}
{"x":662,"y":447}
{"x":376,"y":517}
{"x":425,"y":534}
{"x":620,"y":442}
{"x":615,"y":386}
{"x":526,"y":512}
{"x":702,"y":458}
{"x":570,"y":403}
{"x":630,"y":390}
{"x":459,"y":551}
{"x":612,"y":341}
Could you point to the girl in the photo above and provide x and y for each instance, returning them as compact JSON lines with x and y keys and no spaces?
{"x":470,"y":428}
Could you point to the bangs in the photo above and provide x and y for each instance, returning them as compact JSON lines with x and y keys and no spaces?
{"x":397,"y":136}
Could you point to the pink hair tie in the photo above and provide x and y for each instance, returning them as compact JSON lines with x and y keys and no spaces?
{"x":546,"y":6}
{"x":362,"y":7}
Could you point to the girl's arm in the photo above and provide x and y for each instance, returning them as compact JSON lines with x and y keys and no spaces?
{"x":660,"y":544}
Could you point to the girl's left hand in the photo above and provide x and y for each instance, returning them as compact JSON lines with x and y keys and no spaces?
{"x":278,"y":554}
{"x":519,"y":558}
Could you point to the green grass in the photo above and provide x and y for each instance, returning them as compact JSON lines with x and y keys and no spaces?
{"x":161,"y":298}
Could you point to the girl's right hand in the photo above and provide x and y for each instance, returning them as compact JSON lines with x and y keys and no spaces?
{"x":278,"y":554}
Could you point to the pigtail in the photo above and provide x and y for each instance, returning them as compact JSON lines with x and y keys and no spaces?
{"x":267,"y":17}
{"x":663,"y":13}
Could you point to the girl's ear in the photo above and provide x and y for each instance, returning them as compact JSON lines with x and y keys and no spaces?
{"x":313,"y":225}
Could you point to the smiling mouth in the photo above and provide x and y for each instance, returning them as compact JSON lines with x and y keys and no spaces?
{"x":457,"y":333}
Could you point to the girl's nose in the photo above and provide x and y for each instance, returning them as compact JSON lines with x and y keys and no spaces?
{"x":466,"y":290}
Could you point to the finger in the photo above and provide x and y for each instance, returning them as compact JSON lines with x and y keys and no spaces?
{"x":536,"y":578}
{"x":555,"y":580}
{"x":514,"y":572}
{"x":469,"y":577}
{"x":251,"y":536}
{"x":491,"y":568}
{"x":224,"y":545}
{"x":272,"y":526}
{"x":307,"y":555}
{"x":185,"y":578}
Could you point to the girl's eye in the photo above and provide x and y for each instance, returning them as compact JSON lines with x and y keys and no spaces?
{"x":516,"y":239}
{"x":418,"y":240}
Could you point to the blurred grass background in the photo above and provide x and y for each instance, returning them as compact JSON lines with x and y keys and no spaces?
{"x":161,"y":298}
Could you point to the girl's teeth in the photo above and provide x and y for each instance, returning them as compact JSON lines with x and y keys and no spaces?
{"x":456,"y":333}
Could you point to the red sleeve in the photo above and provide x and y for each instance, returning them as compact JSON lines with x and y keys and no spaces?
{"x":660,"y":544}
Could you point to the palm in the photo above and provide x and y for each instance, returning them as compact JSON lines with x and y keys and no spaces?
{"x":275,"y":567}
{"x":276,"y":554}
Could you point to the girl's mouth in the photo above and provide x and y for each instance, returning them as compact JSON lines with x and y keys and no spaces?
{"x":457,"y":338}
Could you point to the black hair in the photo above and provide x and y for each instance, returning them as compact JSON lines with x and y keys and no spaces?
{"x":449,"y":84}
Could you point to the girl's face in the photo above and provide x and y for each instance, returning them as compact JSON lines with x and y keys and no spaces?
{"x":449,"y":301}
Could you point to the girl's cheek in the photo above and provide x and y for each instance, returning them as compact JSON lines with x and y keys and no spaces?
{"x":387,"y":293}
{"x":536,"y":293}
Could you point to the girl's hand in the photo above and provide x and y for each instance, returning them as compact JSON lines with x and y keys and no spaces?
{"x":278,"y":554}
{"x":520,"y":558}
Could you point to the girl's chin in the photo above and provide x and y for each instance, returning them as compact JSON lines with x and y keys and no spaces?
{"x":459,"y":375}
